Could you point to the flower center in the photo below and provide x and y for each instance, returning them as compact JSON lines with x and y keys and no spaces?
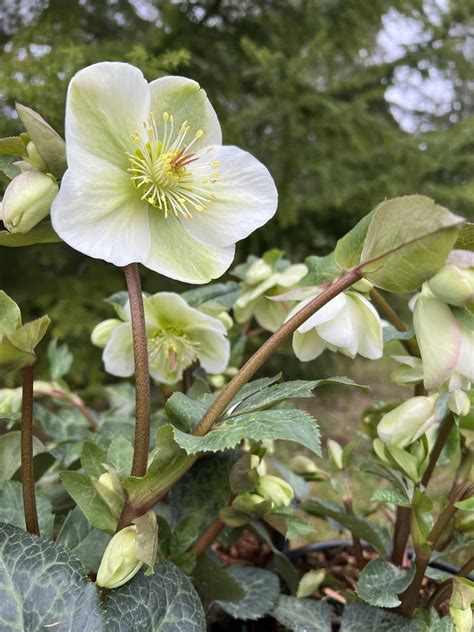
{"x":159,"y":169}
{"x":170,"y":350}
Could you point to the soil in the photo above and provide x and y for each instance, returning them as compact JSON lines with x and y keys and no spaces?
{"x":337,"y":588}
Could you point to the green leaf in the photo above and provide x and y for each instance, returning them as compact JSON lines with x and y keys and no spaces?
{"x":12,"y":512}
{"x":81,"y":488}
{"x":288,"y":524}
{"x":302,"y":615}
{"x":43,"y":586}
{"x":364,"y":618}
{"x":41,"y":234}
{"x":169,"y":461}
{"x":380,"y":582}
{"x":120,"y":455}
{"x":347,"y":253}
{"x":203,"y":491}
{"x":92,"y":457}
{"x":164,"y":602}
{"x":10,"y":453}
{"x":361,"y":528}
{"x":216,"y":295}
{"x":465,"y":240}
{"x":12,"y":145}
{"x":261,"y":588}
{"x":184,"y":535}
{"x":466,"y":505}
{"x":28,"y":336}
{"x":60,"y":360}
{"x":183,"y":411}
{"x":273,"y":395}
{"x":407,"y":242}
{"x":48,"y":142}
{"x":9,"y":169}
{"x":213,"y":582}
{"x":10,"y":315}
{"x":290,"y":425}
{"x":390,"y":496}
{"x":321,"y":270}
{"x":382,"y":470}
{"x":82,"y":540}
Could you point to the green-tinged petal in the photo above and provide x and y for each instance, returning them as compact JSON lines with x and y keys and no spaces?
{"x":176,"y":254}
{"x":307,"y":346}
{"x":242,"y":314}
{"x":106,"y":103}
{"x":101,"y":333}
{"x":167,"y":309}
{"x":118,"y":353}
{"x":269,"y":314}
{"x":465,"y":364}
{"x":367,"y":326}
{"x":255,"y":292}
{"x":340,"y":331}
{"x":98,"y":212}
{"x":183,"y":99}
{"x":327,"y":312}
{"x":292,"y":275}
{"x":245,"y":197}
{"x":214,"y":350}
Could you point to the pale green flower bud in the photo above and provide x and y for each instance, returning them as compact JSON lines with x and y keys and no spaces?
{"x":409,"y":421}
{"x":310,"y":582}
{"x":252,"y":504}
{"x":459,"y":403}
{"x":453,"y":285}
{"x":275,"y":489}
{"x":110,"y":490}
{"x":258,"y":272}
{"x":226,"y":320}
{"x":27,"y":200}
{"x":335,"y":453}
{"x":119,"y":562}
{"x":101,"y":333}
{"x":35,"y":158}
{"x":302,"y":465}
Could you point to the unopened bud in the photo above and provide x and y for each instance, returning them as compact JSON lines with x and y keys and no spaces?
{"x":119,"y":562}
{"x":258,"y":272}
{"x":310,"y":582}
{"x":453,"y":285}
{"x":303,"y":465}
{"x":101,"y":333}
{"x":275,"y":489}
{"x":335,"y":453}
{"x":254,"y":505}
{"x":409,"y":421}
{"x":27,"y":200}
{"x":35,"y":158}
{"x":110,"y":490}
{"x":459,"y":403}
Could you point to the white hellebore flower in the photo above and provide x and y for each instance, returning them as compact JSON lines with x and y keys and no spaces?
{"x":408,"y":422}
{"x":27,"y":200}
{"x":453,"y":285}
{"x":446,"y":345}
{"x":260,"y":282}
{"x":348,"y":323}
{"x":148,"y":180}
{"x":178,"y":335}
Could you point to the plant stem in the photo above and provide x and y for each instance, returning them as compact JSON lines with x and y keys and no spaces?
{"x":27,"y":472}
{"x":142,"y":375}
{"x":409,"y":597}
{"x":391,"y":315}
{"x":443,"y":590}
{"x":268,"y":348}
{"x":207,"y":537}
{"x":443,"y":434}
{"x":401,"y":535}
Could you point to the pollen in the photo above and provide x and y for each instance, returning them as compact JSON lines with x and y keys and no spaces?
{"x":166,"y":172}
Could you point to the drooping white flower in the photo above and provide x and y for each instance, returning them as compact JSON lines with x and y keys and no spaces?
{"x":178,"y":335}
{"x":260,"y":282}
{"x":408,"y":422}
{"x":446,"y":345}
{"x":453,"y":285}
{"x":348,"y":323}
{"x":148,"y":180}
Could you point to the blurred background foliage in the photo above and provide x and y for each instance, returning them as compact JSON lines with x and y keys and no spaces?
{"x":346,"y":101}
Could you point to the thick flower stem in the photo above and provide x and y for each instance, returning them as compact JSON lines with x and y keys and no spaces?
{"x":142,"y":375}
{"x":207,"y":537}
{"x":393,"y":318}
{"x":268,"y":348}
{"x":401,"y":535}
{"x":27,"y":472}
{"x":443,"y":434}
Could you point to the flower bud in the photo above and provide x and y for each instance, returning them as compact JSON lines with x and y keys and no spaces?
{"x":459,"y":403}
{"x":310,"y":582}
{"x":453,"y":285}
{"x":302,"y":465}
{"x":406,"y":423}
{"x":35,"y":158}
{"x":254,"y":505}
{"x":335,"y":453}
{"x":462,"y":619}
{"x":275,"y":489}
{"x":119,"y":562}
{"x":27,"y":200}
{"x":101,"y":333}
{"x":462,"y":597}
{"x":110,"y":490}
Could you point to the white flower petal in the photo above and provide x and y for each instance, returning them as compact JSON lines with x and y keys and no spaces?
{"x":465,"y":363}
{"x":106,"y":103}
{"x":307,"y":346}
{"x":118,"y":352}
{"x":292,"y":275}
{"x":255,"y":292}
{"x":176,"y":254}
{"x":368,"y":326}
{"x":269,"y":315}
{"x":185,"y":100}
{"x":327,"y":312}
{"x":340,"y":331}
{"x":214,"y":352}
{"x":98,"y":212}
{"x":246,"y":197}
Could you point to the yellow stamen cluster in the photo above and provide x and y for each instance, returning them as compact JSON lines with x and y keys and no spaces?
{"x":159,"y":169}
{"x":172,"y":351}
